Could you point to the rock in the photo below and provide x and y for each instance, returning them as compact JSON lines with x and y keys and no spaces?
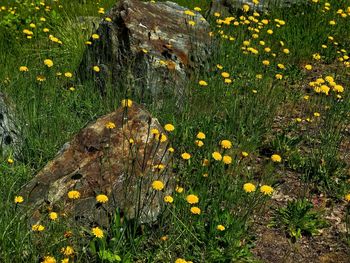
{"x":148,"y":46}
{"x":226,"y":7}
{"x":100,"y":160}
{"x":9,"y":131}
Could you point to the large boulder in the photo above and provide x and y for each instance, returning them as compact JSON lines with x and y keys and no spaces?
{"x":152,"y":47}
{"x":120,"y":162}
{"x":9,"y":131}
{"x":226,"y":7}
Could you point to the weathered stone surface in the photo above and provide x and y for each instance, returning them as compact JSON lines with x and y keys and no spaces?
{"x":148,"y":46}
{"x":226,"y":7}
{"x":99,"y":160}
{"x":9,"y":131}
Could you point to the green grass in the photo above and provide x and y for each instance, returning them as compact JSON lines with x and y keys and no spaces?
{"x":257,"y":115}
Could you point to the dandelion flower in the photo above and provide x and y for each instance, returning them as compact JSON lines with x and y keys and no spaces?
{"x":347,"y":197}
{"x":201,"y":136}
{"x":225,"y":74}
{"x":18,"y":199}
{"x":97,"y":232}
{"x":168,"y":199}
{"x":227,"y":159}
{"x":49,"y":259}
{"x":276,"y":158}
{"x":220,"y":227}
{"x":110,"y":125}
{"x":180,"y":260}
{"x":23,"y":69}
{"x":199,"y":143}
{"x":67,"y":251}
{"x":186,"y":156}
{"x":203,"y":83}
{"x":308,"y":67}
{"x":73,"y":194}
{"x":169,"y":127}
{"x":266,"y":189}
{"x":179,"y":189}
{"x":68,"y":74}
{"x":48,"y":63}
{"x":157,"y":185}
{"x":95,"y":36}
{"x":217,"y":156}
{"x":226,"y":144}
{"x":96,"y":68}
{"x":53,"y":216}
{"x":195,"y":210}
{"x":245,"y":154}
{"x":192,"y":199}
{"x":249,"y":187}
{"x":10,"y":161}
{"x":126,"y":103}
{"x":38,"y":228}
{"x":101,"y":198}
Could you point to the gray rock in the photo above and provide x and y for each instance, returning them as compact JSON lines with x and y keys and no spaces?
{"x":9,"y":131}
{"x":99,"y":160}
{"x":149,"y":48}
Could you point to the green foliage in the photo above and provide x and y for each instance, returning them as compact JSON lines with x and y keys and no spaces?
{"x":298,"y":218}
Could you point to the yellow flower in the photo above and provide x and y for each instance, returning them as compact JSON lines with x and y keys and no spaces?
{"x":110,"y":125}
{"x":97,"y":232}
{"x":108,"y":19}
{"x":227,"y":159}
{"x":157,"y":185}
{"x":286,"y":51}
{"x":168,"y":199}
{"x":338,"y":88}
{"x":49,"y":259}
{"x":228,"y":81}
{"x":216,"y":14}
{"x":171,"y":149}
{"x":249,"y":187}
{"x":73,"y":194}
{"x":179,"y":189}
{"x":191,"y":23}
{"x":198,"y":9}
{"x":180,"y":260}
{"x":245,"y":154}
{"x":189,"y":13}
{"x":161,"y":137}
{"x":38,"y":227}
{"x":45,"y":30}
{"x":266,"y":62}
{"x":192,"y":199}
{"x":10,"y":161}
{"x":201,"y":136}
{"x":19,"y":199}
{"x":347,"y":197}
{"x":199,"y":143}
{"x":278,"y":76}
{"x":169,"y":127}
{"x":101,"y":198}
{"x":23,"y":69}
{"x":226,"y":144}
{"x":186,"y":156}
{"x":53,"y":216}
{"x":220,"y":227}
{"x":48,"y":63}
{"x":41,"y":78}
{"x":126,"y":103}
{"x":96,"y":68}
{"x":270,"y":31}
{"x":205,"y":162}
{"x":259,"y":76}
{"x":219,"y":66}
{"x":245,"y":8}
{"x":67,"y":251}
{"x":203,"y":83}
{"x":225,"y":74}
{"x":266,"y":190}
{"x":217,"y":156}
{"x":308,"y":67}
{"x":95,"y":36}
{"x":195,"y":210}
{"x":316,"y":114}
{"x":332,"y":22}
{"x":276,"y":158}
{"x":68,"y":74}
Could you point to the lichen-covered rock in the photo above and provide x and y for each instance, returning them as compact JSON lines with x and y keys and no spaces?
{"x":152,"y":47}
{"x":120,"y":162}
{"x":226,"y":7}
{"x":9,"y":131}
